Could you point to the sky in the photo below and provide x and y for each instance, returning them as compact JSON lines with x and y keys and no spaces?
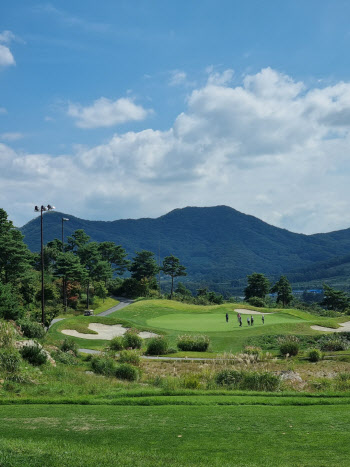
{"x":127,"y":109}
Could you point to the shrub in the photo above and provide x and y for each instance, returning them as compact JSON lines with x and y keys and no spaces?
{"x":333,"y":343}
{"x":7,"y":334}
{"x":131,"y":340}
{"x":252,"y":350}
{"x":31,"y":328}
{"x":289,"y":346}
{"x":157,"y":346}
{"x":249,"y":380}
{"x":129,"y":356}
{"x":103,"y":365}
{"x":117,"y":343}
{"x":10,"y":361}
{"x":34,"y":354}
{"x":193,"y":343}
{"x":191,"y":382}
{"x":126,"y":371}
{"x":68,"y":358}
{"x":69,"y":345}
{"x":257,"y":301}
{"x":314,"y":355}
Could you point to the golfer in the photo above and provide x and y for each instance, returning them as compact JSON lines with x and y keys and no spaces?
{"x":252,"y":320}
{"x":240,"y":322}
{"x":262,"y":319}
{"x":226,"y":317}
{"x":248,"y":321}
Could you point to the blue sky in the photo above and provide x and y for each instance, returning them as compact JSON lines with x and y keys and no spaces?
{"x":132,"y":108}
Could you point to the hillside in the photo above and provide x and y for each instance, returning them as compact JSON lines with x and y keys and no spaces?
{"x":217,"y":244}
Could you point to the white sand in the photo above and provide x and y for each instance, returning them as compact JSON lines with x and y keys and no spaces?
{"x":244,"y":311}
{"x":345,"y":327}
{"x":105,"y":332}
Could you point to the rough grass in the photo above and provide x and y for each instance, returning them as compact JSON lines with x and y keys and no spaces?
{"x":177,"y":435}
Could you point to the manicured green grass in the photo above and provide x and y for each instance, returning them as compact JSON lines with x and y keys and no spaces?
{"x":199,"y":435}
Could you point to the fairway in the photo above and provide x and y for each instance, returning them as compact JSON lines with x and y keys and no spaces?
{"x":214,"y":322}
{"x":61,"y":435}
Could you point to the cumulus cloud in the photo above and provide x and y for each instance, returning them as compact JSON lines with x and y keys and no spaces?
{"x":270,"y":147}
{"x":177,"y":78}
{"x":11,"y":136}
{"x":105,"y":113}
{"x":6,"y":57}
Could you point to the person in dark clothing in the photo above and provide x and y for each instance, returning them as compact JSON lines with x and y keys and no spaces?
{"x":248,"y":321}
{"x":263,"y":319}
{"x":251,"y":320}
{"x":240,"y":321}
{"x":226,"y":317}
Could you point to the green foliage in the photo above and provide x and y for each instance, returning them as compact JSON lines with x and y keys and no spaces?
{"x":191,"y":343}
{"x":258,"y":286}
{"x":10,"y":361}
{"x":127,"y":372}
{"x":257,"y":301}
{"x":67,"y":358}
{"x":314,"y":355}
{"x":333,"y":343}
{"x":182,"y":290}
{"x":129,"y":356}
{"x":69,"y":345}
{"x":143,"y":266}
{"x":157,"y":346}
{"x":117,"y":343}
{"x":335,"y":299}
{"x":289,"y":347}
{"x":7,"y":334}
{"x":248,"y":380}
{"x":9,"y":306}
{"x":115,"y":255}
{"x":283,"y":290}
{"x":103,"y":365}
{"x":131,"y":340}
{"x":33,"y":354}
{"x":31,"y":328}
{"x":172,"y":267}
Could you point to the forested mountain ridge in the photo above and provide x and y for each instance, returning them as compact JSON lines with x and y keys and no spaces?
{"x":216,"y":244}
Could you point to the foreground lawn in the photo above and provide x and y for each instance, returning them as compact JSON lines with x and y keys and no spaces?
{"x":79,"y":435}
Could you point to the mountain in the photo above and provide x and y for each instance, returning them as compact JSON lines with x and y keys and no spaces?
{"x":218,"y":245}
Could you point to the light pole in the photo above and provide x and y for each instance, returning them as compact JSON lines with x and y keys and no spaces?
{"x":64,"y":219}
{"x":41,"y":210}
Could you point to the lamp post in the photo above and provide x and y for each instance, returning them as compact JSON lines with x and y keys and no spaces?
{"x":41,"y":210}
{"x":64,"y":219}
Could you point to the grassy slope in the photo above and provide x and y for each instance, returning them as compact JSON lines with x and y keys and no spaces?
{"x":214,"y":435}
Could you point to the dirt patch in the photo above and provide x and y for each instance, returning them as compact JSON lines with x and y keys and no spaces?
{"x":244,"y":311}
{"x":345,"y":327}
{"x":105,"y":332}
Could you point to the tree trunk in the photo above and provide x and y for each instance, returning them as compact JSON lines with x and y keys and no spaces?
{"x":87,"y":295}
{"x":172,"y":287}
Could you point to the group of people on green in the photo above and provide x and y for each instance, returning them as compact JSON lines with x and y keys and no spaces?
{"x":250,"y":321}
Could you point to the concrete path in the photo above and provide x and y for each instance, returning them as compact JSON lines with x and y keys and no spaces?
{"x":123,"y":303}
{"x":56,"y":320}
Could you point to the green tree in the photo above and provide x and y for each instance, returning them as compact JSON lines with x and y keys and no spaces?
{"x":101,"y":290}
{"x":283,"y":290}
{"x":182,"y":290}
{"x":78,"y":239}
{"x":69,"y":268}
{"x":9,"y":306}
{"x":89,"y":257}
{"x":258,"y":286}
{"x":143,"y":266}
{"x":172,"y":267}
{"x":115,"y":255}
{"x":15,"y":257}
{"x":335,"y":299}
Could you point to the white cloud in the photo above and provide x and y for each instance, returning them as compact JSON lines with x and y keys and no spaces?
{"x":3,"y":110}
{"x":105,"y":113}
{"x":177,"y":78}
{"x":7,"y":36}
{"x":268,"y":147}
{"x":6,"y":57}
{"x":11,"y":136}
{"x":219,"y":79}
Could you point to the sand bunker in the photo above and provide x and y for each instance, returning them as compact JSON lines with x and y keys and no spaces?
{"x":243,"y":311}
{"x":105,"y":332}
{"x":345,"y":327}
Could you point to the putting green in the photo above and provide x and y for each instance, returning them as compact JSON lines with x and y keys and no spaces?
{"x":214,"y":322}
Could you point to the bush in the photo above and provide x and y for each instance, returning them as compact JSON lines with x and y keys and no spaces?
{"x":314,"y":355}
{"x":129,"y":356}
{"x":333,"y":343}
{"x":103,"y":365}
{"x":131,"y":340}
{"x":289,"y":346}
{"x":252,"y":380}
{"x":31,"y":328}
{"x":157,"y":346}
{"x":126,"y":371}
{"x":193,"y":343}
{"x":117,"y":343}
{"x":69,"y":345}
{"x":257,"y":301}
{"x":7,"y":334}
{"x":68,"y":358}
{"x":252,"y":350}
{"x":10,"y":361}
{"x":33,"y":354}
